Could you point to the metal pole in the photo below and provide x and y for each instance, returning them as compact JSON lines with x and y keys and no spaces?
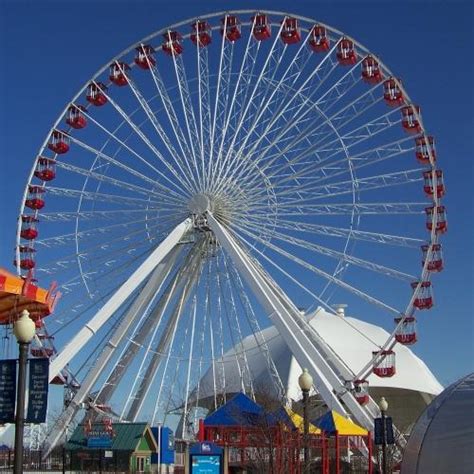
{"x":384,"y":445}
{"x":305,"y":430}
{"x":20,"y":407}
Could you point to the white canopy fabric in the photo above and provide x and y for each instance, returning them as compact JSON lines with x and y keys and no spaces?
{"x":353,"y":340}
{"x":442,"y":440}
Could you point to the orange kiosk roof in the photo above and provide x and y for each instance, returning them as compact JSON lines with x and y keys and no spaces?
{"x":17,"y":294}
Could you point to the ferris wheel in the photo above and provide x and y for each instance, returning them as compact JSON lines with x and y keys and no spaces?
{"x":212,"y":180}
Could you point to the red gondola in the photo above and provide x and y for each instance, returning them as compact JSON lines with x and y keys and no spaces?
{"x":392,"y":93}
{"x":29,"y":227}
{"x":424,"y":298}
{"x":144,"y":58}
{"x":201,"y":33}
{"x":429,"y":186}
{"x":384,"y":363}
{"x":34,"y":198}
{"x":290,"y":33}
{"x":42,"y":351}
{"x":423,"y":148}
{"x":230,"y":24}
{"x":346,"y":53}
{"x":96,"y":94}
{"x":435,"y":260}
{"x":262,"y":29}
{"x":410,"y":122}
{"x":45,"y":169}
{"x":59,"y":142}
{"x":59,"y":380}
{"x":371,"y":72}
{"x":406,"y":333}
{"x":75,"y":118}
{"x":361,"y":391}
{"x":172,"y":44}
{"x":27,"y":257}
{"x":319,"y":41}
{"x":441,"y":223}
{"x":118,"y":73}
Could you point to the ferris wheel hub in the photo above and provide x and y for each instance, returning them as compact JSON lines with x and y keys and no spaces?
{"x":199,"y":204}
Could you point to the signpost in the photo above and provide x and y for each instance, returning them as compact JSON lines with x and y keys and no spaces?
{"x":206,"y":458}
{"x":38,"y":391}
{"x":7,"y":390}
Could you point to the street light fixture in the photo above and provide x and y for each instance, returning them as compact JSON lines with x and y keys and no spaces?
{"x":24,"y":330}
{"x":383,"y":405}
{"x":305,"y":382}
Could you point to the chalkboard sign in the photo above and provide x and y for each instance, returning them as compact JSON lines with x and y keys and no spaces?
{"x":38,"y":391}
{"x":7,"y":390}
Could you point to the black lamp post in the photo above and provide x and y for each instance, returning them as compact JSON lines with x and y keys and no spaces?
{"x":383,"y":405}
{"x":24,"y":330}
{"x":305,"y":382}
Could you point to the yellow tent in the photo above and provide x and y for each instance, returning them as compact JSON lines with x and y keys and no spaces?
{"x":298,"y":422}
{"x":332,"y":421}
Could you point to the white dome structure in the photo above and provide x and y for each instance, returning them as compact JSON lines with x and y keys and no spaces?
{"x":442,"y":439}
{"x":408,"y":392}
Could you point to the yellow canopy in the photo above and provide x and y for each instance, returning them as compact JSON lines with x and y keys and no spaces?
{"x":298,"y":421}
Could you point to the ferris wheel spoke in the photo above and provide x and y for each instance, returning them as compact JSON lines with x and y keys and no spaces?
{"x":188,"y":112}
{"x":166,"y":339}
{"x":95,"y":196}
{"x":349,"y":112}
{"x":362,"y":185}
{"x":332,"y":231}
{"x":257,"y":332}
{"x":149,"y":320}
{"x":133,"y":246}
{"x":171,"y":114}
{"x":265,"y":70}
{"x":177,"y":160}
{"x":91,"y":215}
{"x":340,"y":256}
{"x":118,"y":183}
{"x":321,"y":273}
{"x":338,"y":90}
{"x":239,"y":97}
{"x":90,"y":233}
{"x":321,"y":72}
{"x":130,"y":170}
{"x":233,"y":329}
{"x":150,"y":145}
{"x":359,"y":208}
{"x":204,"y":107}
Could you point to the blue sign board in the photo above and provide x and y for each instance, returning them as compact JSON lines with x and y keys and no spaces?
{"x":206,"y":464}
{"x":38,"y":391}
{"x":7,"y":390}
{"x":99,"y":442}
{"x":165,"y":439}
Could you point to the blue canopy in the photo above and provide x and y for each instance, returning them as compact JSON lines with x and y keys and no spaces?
{"x":240,"y":411}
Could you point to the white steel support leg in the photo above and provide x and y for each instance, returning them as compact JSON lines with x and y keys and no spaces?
{"x":114,"y":303}
{"x":147,"y":326}
{"x":285,"y":316}
{"x":142,"y":300}
{"x":190,"y":276}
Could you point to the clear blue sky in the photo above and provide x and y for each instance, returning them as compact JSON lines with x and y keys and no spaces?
{"x":49,"y":49}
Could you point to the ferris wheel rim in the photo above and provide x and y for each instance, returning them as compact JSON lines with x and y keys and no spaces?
{"x":425,"y":274}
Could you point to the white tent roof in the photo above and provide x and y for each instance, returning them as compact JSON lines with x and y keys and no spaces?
{"x":353,"y":340}
{"x":442,"y":440}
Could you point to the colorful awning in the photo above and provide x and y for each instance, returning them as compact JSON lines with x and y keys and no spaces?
{"x":17,"y":294}
{"x":332,"y":421}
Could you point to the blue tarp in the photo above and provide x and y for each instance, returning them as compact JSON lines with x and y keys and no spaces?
{"x":240,"y":411}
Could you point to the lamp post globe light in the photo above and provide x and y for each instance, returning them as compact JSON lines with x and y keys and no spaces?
{"x":305,"y":382}
{"x":383,"y":405}
{"x":24,"y":330}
